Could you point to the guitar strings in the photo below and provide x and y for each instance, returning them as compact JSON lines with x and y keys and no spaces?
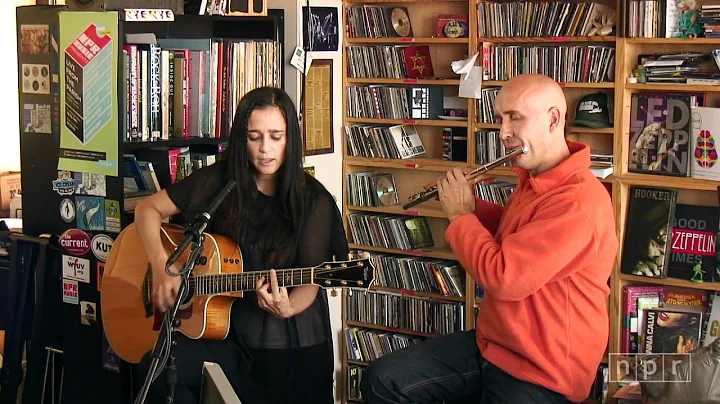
{"x":211,"y":280}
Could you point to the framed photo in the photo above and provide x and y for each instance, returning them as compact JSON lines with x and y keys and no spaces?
{"x":321,"y":29}
{"x":317,"y":108}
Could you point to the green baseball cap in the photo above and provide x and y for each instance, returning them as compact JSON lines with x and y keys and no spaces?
{"x":594,"y":111}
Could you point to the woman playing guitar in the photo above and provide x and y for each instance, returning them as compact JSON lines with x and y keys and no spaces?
{"x":279,"y":349}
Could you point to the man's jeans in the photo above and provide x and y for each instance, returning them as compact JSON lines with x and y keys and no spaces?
{"x":446,"y":369}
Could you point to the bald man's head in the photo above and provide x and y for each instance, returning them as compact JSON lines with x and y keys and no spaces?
{"x":536,"y":91}
{"x":531,"y":109}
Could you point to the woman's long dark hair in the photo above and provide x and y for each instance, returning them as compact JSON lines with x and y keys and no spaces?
{"x":282,"y":233}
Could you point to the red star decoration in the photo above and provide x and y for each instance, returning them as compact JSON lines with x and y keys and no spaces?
{"x":418,"y":62}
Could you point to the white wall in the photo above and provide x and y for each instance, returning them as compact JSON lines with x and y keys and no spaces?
{"x":10,"y":133}
{"x":328,"y":167}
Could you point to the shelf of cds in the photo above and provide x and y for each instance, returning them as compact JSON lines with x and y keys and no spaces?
{"x":408,"y":119}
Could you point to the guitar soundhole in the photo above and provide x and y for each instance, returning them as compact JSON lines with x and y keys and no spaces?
{"x":184,"y":311}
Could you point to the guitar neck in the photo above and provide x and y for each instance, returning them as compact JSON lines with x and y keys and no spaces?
{"x":245,"y":281}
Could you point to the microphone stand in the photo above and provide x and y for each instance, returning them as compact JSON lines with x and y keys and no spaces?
{"x":162,"y":351}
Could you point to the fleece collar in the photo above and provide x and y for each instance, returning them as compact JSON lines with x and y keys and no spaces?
{"x":578,"y":161}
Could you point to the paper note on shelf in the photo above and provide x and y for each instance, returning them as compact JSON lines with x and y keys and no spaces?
{"x":463,"y":66}
{"x":471,"y":83}
{"x":470,"y":77}
{"x":298,"y":60}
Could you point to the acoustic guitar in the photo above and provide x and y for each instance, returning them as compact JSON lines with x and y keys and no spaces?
{"x":131,"y":322}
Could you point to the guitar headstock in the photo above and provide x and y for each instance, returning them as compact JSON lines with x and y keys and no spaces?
{"x":356,"y":272}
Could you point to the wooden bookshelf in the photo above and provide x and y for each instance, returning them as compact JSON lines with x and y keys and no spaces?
{"x":412,"y":174}
{"x":690,"y":190}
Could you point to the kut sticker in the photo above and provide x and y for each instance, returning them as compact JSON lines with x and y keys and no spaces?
{"x":88,"y":312}
{"x":75,"y":268}
{"x":101,"y":245}
{"x":70,"y":291}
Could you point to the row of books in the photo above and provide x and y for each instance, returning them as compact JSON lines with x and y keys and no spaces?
{"x":389,"y":61}
{"x":376,"y":21}
{"x":673,"y":134}
{"x":355,"y":373}
{"x":403,"y":312}
{"x":489,"y":147}
{"x":681,"y":67}
{"x":372,"y":189}
{"x":384,"y":141}
{"x":563,"y":63}
{"x":394,"y":102}
{"x":366,"y":345}
{"x":400,"y":232}
{"x":664,"y":319}
{"x":419,"y":274}
{"x":495,"y":191}
{"x":535,"y":19}
{"x":665,"y":238}
{"x":152,"y":169}
{"x":485,"y":105}
{"x":377,"y":189}
{"x":653,"y":19}
{"x":190,"y":87}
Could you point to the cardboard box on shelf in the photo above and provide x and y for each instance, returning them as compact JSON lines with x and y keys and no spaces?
{"x":9,"y":185}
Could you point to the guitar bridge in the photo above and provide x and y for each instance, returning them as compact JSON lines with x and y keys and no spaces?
{"x":147,"y":292}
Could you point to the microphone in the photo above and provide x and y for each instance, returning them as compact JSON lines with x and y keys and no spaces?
{"x":198,"y":226}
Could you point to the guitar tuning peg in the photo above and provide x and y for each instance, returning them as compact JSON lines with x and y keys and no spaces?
{"x":333,"y":292}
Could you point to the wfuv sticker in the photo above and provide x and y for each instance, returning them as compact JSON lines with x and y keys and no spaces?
{"x":75,"y":268}
{"x":70,"y":291}
{"x":88,"y":313}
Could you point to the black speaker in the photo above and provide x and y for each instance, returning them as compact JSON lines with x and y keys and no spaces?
{"x":177,"y":6}
{"x":247,"y":7}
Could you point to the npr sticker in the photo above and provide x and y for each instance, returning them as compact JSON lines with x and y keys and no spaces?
{"x":75,"y":241}
{"x":88,"y":313}
{"x":64,"y":184}
{"x":67,"y":210}
{"x":101,"y":245}
{"x":70,"y":291}
{"x":76,"y":268}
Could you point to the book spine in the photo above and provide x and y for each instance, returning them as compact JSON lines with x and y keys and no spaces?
{"x":171,"y":93}
{"x":133,"y":98}
{"x":155,"y":92}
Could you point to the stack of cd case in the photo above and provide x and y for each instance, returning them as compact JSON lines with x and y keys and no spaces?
{"x":373,"y":189}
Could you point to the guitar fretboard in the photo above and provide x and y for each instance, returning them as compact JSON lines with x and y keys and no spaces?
{"x":245,"y":281}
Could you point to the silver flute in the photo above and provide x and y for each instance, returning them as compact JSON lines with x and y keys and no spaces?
{"x":430,"y":193}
